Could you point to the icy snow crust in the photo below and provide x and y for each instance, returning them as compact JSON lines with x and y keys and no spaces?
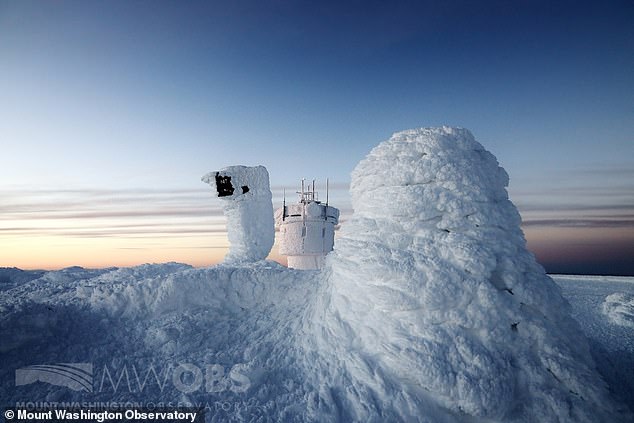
{"x":620,"y":309}
{"x":611,"y":343}
{"x":430,"y":309}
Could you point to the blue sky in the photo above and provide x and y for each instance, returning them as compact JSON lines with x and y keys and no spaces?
{"x":126,"y":103}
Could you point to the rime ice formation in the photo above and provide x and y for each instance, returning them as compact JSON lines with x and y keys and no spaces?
{"x":247,"y":205}
{"x":619,"y":308}
{"x":431,"y":288}
{"x":429,"y":309}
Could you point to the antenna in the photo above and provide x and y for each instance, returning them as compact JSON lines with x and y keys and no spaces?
{"x":326,"y":192}
{"x":313,"y":196}
{"x":284,"y":204}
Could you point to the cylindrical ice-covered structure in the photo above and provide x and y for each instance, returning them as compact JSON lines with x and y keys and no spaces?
{"x":307,"y":231}
{"x":247,"y":205}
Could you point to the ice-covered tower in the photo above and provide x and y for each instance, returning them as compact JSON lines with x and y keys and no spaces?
{"x":307,"y":229}
{"x":248,"y":208}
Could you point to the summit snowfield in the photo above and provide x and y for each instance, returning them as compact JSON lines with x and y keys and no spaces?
{"x":429,"y":309}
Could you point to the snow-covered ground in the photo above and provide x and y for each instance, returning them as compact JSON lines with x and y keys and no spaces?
{"x":430,"y":308}
{"x":163,"y":319}
{"x":604,"y":308}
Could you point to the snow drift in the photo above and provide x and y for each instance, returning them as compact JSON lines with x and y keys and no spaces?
{"x":429,"y":309}
{"x":619,"y":308}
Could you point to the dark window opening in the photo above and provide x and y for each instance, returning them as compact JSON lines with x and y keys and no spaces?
{"x":223,"y":185}
{"x":245,"y":189}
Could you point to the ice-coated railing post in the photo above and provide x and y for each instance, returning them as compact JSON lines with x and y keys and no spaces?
{"x":248,"y":207}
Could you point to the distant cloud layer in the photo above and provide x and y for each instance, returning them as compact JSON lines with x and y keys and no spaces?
{"x":596,"y":196}
{"x":191,"y":219}
{"x":95,"y":213}
{"x":581,"y":220}
{"x":95,"y":227}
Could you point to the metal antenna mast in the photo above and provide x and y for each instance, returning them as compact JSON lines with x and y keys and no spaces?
{"x":303,"y":189}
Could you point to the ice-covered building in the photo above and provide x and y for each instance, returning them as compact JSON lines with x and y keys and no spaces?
{"x":307,"y":229}
{"x":248,"y":208}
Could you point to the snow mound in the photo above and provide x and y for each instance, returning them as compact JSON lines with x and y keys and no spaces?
{"x":12,"y":276}
{"x":237,"y":325}
{"x":431,"y":288}
{"x":619,"y":308}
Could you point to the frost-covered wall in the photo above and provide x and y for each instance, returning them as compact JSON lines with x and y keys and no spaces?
{"x":431,"y":289}
{"x":246,"y":196}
